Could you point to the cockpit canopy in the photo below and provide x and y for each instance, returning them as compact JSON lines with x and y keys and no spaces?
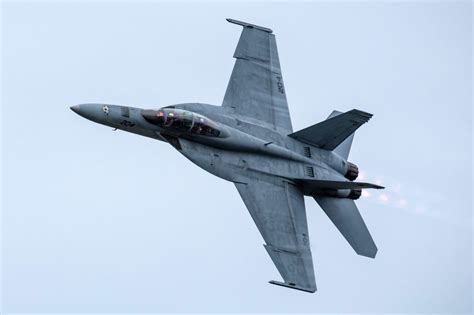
{"x":182,"y":121}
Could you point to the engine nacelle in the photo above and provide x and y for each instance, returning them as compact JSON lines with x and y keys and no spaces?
{"x":355,"y":194}
{"x":352,"y":171}
{"x":344,"y":193}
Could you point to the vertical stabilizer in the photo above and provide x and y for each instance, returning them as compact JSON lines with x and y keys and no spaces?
{"x":345,"y":147}
{"x":334,"y":133}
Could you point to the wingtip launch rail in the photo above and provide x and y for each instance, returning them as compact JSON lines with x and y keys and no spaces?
{"x":245,"y":24}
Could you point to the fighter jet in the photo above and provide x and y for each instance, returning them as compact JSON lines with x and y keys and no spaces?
{"x":249,"y":141}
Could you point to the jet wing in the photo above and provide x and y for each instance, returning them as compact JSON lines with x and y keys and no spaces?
{"x":255,"y":88}
{"x":277,"y":208}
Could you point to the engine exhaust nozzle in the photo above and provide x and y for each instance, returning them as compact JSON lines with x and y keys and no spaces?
{"x":352,"y":171}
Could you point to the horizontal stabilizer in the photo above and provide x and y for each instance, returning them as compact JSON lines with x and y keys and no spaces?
{"x":332,"y":184}
{"x":331,"y":132}
{"x":344,"y":214}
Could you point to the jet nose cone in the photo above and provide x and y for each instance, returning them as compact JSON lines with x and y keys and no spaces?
{"x":92,"y":111}
{"x":75,"y":108}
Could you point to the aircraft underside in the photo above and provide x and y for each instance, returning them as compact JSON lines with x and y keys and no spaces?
{"x":250,"y":141}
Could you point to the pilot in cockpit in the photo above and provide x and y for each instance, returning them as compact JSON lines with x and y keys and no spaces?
{"x":182,"y":121}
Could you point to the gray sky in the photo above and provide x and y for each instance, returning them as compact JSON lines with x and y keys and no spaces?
{"x":101,"y":221}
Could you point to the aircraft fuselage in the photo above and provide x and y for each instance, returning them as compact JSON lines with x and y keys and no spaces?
{"x":241,"y":144}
